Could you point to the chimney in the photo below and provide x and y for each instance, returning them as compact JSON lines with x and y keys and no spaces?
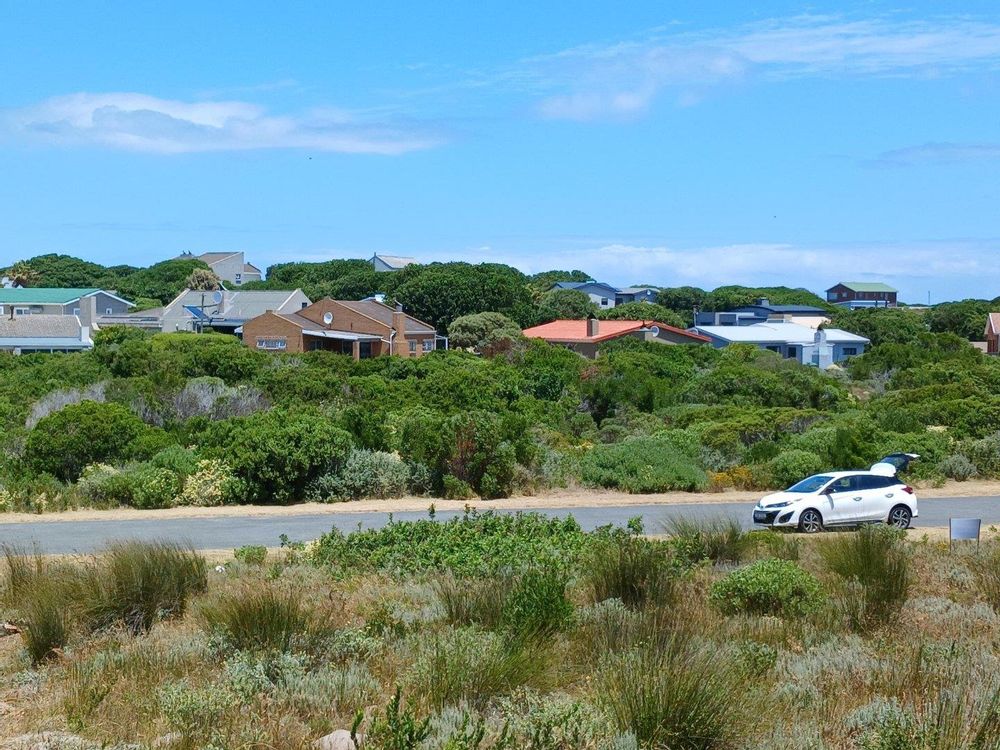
{"x":592,"y":326}
{"x":88,"y":311}
{"x":763,"y":302}
{"x":400,"y":345}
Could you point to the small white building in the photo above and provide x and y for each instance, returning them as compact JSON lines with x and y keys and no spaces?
{"x":808,"y":346}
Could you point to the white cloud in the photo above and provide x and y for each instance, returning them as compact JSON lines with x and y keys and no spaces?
{"x":623,"y":79}
{"x":139,"y":122}
{"x":936,"y":152}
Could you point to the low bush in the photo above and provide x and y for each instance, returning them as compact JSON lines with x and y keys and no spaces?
{"x":260,"y":618}
{"x":45,"y":620}
{"x":365,"y":473}
{"x":136,"y":583}
{"x":717,"y":540}
{"x":768,"y":587}
{"x":474,"y":543}
{"x":635,"y":570}
{"x":212,"y":483}
{"x":251,"y":554}
{"x":640,"y":465}
{"x":958,"y":467}
{"x":682,"y":695}
{"x":876,"y":570}
{"x":790,"y":466}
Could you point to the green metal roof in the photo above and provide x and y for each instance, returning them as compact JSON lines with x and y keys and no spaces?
{"x":866,"y":286}
{"x":42,"y":295}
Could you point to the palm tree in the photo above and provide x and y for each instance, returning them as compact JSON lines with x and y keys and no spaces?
{"x":21,"y":274}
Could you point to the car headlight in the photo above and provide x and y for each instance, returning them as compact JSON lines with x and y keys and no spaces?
{"x":781,"y":505}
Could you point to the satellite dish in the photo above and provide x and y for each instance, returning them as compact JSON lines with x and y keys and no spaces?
{"x":655,"y":330}
{"x":217,"y":297}
{"x":327,"y":318}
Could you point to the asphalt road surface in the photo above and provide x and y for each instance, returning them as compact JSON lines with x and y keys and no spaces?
{"x":61,"y":537}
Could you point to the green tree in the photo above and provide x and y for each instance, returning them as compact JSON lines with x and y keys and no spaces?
{"x":64,"y":442}
{"x":966,"y":318}
{"x":682,"y":300}
{"x":894,"y":325}
{"x":643,"y":311}
{"x":565,"y":304}
{"x":483,"y":332}
{"x":542,"y":282}
{"x":22,"y":274}
{"x":440,"y":292}
{"x":56,"y":270}
{"x":162,"y":281}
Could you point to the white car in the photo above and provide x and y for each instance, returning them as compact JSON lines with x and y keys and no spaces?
{"x":843,"y":498}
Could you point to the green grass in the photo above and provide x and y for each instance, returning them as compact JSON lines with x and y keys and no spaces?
{"x":636,"y":570}
{"x":260,"y":618}
{"x":875,"y":568}
{"x":717,"y":540}
{"x":134,"y":584}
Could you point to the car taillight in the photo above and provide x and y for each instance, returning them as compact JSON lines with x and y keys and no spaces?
{"x":908,"y":490}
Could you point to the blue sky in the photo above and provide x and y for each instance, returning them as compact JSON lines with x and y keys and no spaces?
{"x":671,"y":143}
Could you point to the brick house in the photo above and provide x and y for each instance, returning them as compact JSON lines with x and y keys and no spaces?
{"x":584,"y":336}
{"x":993,"y":333}
{"x":855,"y":294}
{"x":361,"y":329}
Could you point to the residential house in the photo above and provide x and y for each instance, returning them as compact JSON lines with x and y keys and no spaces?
{"x":808,"y":346}
{"x":761,"y":311}
{"x":603,"y":295}
{"x":225,"y":311}
{"x":231,"y":267}
{"x":390,"y":262}
{"x":361,"y":329}
{"x":855,"y":294}
{"x":636,"y":294}
{"x":43,"y":332}
{"x":584,"y":336}
{"x":993,"y":333}
{"x":58,"y":301}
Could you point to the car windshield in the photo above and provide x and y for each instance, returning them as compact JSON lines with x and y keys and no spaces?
{"x":812,"y":484}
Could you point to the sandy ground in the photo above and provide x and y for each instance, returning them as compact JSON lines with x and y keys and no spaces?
{"x":575,"y":498}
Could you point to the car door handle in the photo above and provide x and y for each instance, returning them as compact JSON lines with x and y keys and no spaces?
{"x":889,"y":494}
{"x":856,"y":498}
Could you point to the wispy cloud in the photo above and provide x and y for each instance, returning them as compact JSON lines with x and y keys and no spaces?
{"x":623,"y":79}
{"x":936,"y":153}
{"x":140,"y":122}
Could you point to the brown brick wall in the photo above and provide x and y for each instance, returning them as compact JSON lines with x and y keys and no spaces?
{"x":271,"y":326}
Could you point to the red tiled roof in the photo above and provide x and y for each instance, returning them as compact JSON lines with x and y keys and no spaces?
{"x":575,"y":331}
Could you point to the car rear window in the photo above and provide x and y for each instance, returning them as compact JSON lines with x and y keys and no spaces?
{"x":811,"y":484}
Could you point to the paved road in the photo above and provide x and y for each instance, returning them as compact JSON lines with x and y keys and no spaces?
{"x":58,"y":537}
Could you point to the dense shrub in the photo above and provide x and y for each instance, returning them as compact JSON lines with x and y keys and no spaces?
{"x":957,"y":467}
{"x":471,"y":543}
{"x":538,"y":603}
{"x":258,"y":618}
{"x":788,"y":467}
{"x":364,"y":474}
{"x":641,"y":465}
{"x":768,"y":587}
{"x":633,"y":569}
{"x":66,"y":441}
{"x":715,"y":539}
{"x":275,"y":455}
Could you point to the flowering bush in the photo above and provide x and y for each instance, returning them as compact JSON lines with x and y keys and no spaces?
{"x":211,"y":484}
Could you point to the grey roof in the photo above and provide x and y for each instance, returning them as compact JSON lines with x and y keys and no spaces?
{"x":241,"y":305}
{"x":638,"y":289}
{"x":395,"y":261}
{"x":581,"y":284}
{"x":777,"y":333}
{"x":864,"y":286}
{"x":383,"y":314}
{"x":211,"y":258}
{"x":807,"y":309}
{"x":40,"y":326}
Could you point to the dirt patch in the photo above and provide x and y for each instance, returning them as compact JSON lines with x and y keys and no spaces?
{"x":574,"y":498}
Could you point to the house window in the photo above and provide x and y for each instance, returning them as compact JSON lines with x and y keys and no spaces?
{"x":239,"y":278}
{"x":604,"y":301}
{"x":413,"y":347}
{"x":76,"y":310}
{"x":272,"y":344}
{"x":428,"y":345}
{"x":773,"y":348}
{"x":850,"y":351}
{"x":109,"y":311}
{"x":22,"y":311}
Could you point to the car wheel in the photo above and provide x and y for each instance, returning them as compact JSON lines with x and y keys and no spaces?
{"x":810,"y":522}
{"x":899,"y":517}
